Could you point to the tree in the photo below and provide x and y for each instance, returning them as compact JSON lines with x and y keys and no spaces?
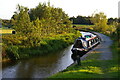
{"x":112,"y":21}
{"x":21,"y":21}
{"x":54,"y":20}
{"x":100,"y":21}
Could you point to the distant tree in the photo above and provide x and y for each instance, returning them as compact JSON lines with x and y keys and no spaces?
{"x":112,"y":21}
{"x":118,"y":20}
{"x":6,"y":23}
{"x":100,"y":21}
{"x":81,"y":20}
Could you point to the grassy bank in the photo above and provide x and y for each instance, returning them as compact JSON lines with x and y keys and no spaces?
{"x":48,"y":45}
{"x":14,"y":48}
{"x":94,"y":68}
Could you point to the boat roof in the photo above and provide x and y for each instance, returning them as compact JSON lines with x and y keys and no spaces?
{"x":88,"y":35}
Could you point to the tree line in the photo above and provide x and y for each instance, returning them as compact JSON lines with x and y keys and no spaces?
{"x":84,"y":20}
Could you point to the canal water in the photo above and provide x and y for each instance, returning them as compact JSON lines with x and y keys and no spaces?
{"x":38,"y":67}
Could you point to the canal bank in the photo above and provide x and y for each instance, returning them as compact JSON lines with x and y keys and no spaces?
{"x":101,"y":62}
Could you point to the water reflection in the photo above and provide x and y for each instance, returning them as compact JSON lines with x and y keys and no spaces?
{"x":39,"y":67}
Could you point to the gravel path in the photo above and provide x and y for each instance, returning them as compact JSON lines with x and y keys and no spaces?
{"x":103,"y":48}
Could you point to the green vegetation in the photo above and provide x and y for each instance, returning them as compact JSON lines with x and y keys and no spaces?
{"x":87,"y":20}
{"x":100,"y":21}
{"x":39,"y":31}
{"x":81,"y":20}
{"x":84,"y":27}
{"x":46,"y":45}
{"x":100,"y":24}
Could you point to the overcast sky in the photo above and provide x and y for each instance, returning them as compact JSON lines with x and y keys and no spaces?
{"x":71,"y":7}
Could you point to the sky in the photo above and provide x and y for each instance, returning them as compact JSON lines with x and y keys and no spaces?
{"x":71,"y":7}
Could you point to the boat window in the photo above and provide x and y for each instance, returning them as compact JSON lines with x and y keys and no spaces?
{"x":88,"y":36}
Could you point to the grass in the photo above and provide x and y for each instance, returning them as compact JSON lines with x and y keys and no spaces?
{"x":94,"y":68}
{"x":83,"y":27}
{"x":79,"y":25}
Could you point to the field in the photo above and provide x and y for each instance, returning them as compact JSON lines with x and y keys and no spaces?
{"x":78,"y":25}
{"x":84,"y":27}
{"x":5,"y":31}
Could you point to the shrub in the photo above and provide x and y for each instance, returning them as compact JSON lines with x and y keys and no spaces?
{"x":12,"y":52}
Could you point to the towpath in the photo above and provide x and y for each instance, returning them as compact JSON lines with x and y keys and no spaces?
{"x":103,"y":48}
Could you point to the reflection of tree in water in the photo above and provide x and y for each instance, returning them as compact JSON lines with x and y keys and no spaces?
{"x":8,"y":64}
{"x":25,"y":70}
{"x":38,"y":67}
{"x":29,"y":68}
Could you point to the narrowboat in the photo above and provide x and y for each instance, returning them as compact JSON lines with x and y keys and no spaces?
{"x":85,"y":43}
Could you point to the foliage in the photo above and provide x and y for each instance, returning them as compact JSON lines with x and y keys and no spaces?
{"x":12,"y":52}
{"x":46,"y":45}
{"x":40,"y":22}
{"x":111,"y":21}
{"x":52,"y":20}
{"x":22,"y":22}
{"x":81,"y":20}
{"x":14,"y":39}
{"x":100,"y":22}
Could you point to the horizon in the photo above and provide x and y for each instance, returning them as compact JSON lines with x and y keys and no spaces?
{"x":72,"y":8}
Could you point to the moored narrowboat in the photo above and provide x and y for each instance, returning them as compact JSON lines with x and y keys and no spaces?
{"x":85,"y":43}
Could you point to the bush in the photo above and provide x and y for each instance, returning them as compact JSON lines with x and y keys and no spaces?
{"x":12,"y":52}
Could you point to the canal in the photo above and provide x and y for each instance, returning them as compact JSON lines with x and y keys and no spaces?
{"x":38,"y":67}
